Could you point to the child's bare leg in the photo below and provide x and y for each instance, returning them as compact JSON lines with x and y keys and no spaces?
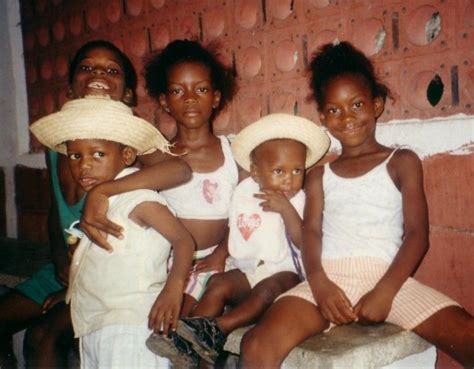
{"x":188,"y":305}
{"x":47,"y":344}
{"x":250,"y":309}
{"x":222,"y":289}
{"x":287,"y":323}
{"x":16,"y":313}
{"x":451,"y":330}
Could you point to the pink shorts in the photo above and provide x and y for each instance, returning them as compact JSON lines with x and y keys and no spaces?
{"x":413,"y":304}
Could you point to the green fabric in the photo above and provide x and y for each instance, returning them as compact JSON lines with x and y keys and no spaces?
{"x":41,"y":284}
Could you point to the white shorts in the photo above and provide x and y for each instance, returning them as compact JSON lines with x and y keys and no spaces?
{"x":119,"y":346}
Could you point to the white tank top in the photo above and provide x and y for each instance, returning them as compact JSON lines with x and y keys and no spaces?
{"x":206,"y":195}
{"x":362,"y":216}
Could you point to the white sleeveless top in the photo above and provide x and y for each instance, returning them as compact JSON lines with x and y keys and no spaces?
{"x":206,"y":195}
{"x":362,"y":216}
{"x":254,"y":234}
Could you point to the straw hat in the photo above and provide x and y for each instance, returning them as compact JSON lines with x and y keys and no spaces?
{"x":98,"y":117}
{"x":274,"y":126}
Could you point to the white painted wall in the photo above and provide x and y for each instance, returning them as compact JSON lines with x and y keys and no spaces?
{"x":14,"y":138}
{"x":452,"y":134}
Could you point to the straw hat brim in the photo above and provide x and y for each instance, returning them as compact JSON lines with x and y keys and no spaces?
{"x":98,"y":117}
{"x":281,"y":126}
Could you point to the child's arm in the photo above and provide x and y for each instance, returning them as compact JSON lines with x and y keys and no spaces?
{"x":406,"y":171}
{"x":165,"y":311}
{"x":277,"y":202}
{"x":332,"y":301}
{"x":216,"y":260}
{"x":161,"y":175}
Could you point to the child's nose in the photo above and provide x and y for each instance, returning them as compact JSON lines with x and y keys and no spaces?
{"x":99,"y":70}
{"x":189,"y":96}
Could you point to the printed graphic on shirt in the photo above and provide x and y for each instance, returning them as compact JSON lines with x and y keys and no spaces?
{"x":210,"y":191}
{"x":247,"y":224}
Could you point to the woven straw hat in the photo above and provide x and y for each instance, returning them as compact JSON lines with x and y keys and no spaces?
{"x":98,"y":117}
{"x":275,"y":126}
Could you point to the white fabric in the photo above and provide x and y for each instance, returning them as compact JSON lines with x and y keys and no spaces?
{"x":256,"y":235}
{"x":206,"y":195}
{"x":119,"y":287}
{"x":119,"y":346}
{"x":362,"y":216}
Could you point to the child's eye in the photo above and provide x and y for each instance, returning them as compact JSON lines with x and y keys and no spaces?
{"x":202,"y":90}
{"x":176,"y":91}
{"x":333,"y":110}
{"x":297,"y":171}
{"x":86,"y":68}
{"x":358,"y":104}
{"x":112,"y":71}
{"x":74,"y":156}
{"x":99,"y":154}
{"x":277,"y":171}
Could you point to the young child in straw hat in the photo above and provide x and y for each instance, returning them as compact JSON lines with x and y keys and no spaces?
{"x":265,"y":232}
{"x":117,"y":296}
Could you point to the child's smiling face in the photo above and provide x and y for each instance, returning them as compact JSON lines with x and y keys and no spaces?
{"x":350,"y":111}
{"x":279,"y":165}
{"x":191,"y":96}
{"x":100,"y":72}
{"x":95,"y":161}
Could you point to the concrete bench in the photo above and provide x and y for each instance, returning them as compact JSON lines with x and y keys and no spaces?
{"x":355,"y":346}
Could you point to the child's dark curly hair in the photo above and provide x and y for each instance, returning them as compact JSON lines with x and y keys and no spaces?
{"x":126,"y":64}
{"x":179,"y":51}
{"x":331,"y":61}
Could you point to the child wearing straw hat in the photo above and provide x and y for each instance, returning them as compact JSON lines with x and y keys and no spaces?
{"x":265,"y":224}
{"x":117,"y":296}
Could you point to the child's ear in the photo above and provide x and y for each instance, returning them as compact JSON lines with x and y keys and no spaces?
{"x":217,"y":99}
{"x":322,"y":117}
{"x":379,"y":106}
{"x":129,"y":155}
{"x":254,"y":172}
{"x":127,"y":96}
{"x":163,"y":102}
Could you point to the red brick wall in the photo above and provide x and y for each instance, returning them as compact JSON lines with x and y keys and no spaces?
{"x":270,"y":42}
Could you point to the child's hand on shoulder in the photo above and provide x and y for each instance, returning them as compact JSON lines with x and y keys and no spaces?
{"x":164,"y":314}
{"x":273,"y":201}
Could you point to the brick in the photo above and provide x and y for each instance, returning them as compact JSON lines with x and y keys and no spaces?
{"x":284,"y":13}
{"x":250,"y":60}
{"x":450,"y":198}
{"x":248,"y":16}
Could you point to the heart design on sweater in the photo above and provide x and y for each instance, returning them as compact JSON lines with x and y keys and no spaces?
{"x":209,"y":191}
{"x":247,"y":224}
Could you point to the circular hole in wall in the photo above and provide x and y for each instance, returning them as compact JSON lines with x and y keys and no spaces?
{"x":33,"y":106}
{"x":424,"y":84}
{"x":369,"y":35}
{"x":435,"y":89}
{"x":31,"y":74}
{"x":214,"y":23}
{"x":46,"y":70}
{"x":62,"y":97}
{"x":250,"y":62}
{"x":320,"y":4}
{"x":75,"y":25}
{"x":221,"y":122}
{"x":61,"y":66}
{"x":113,"y":11}
{"x":246,"y":13}
{"x":134,"y":7}
{"x":48,"y":104}
{"x":43,"y":36}
{"x":40,"y":5}
{"x":281,"y":9}
{"x":29,"y":41}
{"x":59,"y":30}
{"x":160,"y":37}
{"x":157,"y":4}
{"x":93,"y":18}
{"x":285,"y":56}
{"x":424,"y":25}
